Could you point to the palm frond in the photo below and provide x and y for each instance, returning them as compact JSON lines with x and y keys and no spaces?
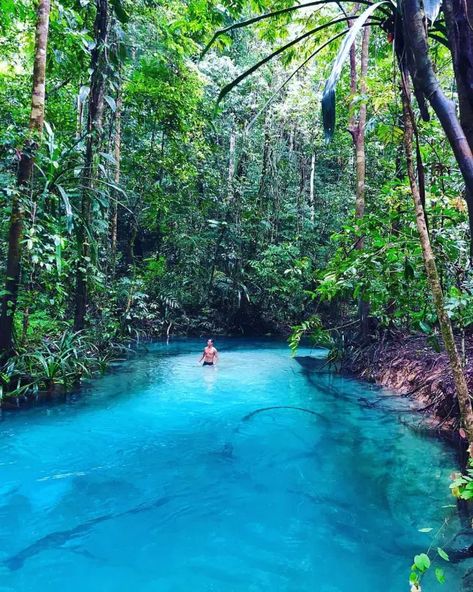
{"x":432,"y":9}
{"x":328,"y":96}
{"x":226,"y":89}
{"x":267,"y":15}
{"x":289,"y":78}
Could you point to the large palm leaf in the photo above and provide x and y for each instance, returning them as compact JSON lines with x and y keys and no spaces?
{"x":328,"y":96}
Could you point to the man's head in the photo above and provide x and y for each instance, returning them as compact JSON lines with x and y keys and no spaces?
{"x":210,"y":342}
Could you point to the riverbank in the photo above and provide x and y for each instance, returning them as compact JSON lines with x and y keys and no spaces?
{"x":411,"y":367}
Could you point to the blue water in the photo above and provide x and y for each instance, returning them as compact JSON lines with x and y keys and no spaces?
{"x":152,"y":481}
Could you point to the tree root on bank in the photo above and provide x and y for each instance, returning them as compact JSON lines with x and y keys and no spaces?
{"x":409,"y":366}
{"x":423,"y":429}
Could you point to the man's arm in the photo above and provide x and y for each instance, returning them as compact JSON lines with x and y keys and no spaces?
{"x":203,"y":356}
{"x":215,"y":355}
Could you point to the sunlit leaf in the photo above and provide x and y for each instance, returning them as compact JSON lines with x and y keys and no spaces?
{"x":443,"y":554}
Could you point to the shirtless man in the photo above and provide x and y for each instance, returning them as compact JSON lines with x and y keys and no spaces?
{"x":210,"y":354}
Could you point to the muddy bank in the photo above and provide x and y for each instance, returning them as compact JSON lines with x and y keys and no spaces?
{"x":410,"y":366}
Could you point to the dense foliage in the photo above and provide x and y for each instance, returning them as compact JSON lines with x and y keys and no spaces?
{"x":154,"y":209}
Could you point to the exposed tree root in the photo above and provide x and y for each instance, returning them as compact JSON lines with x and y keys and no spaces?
{"x":253,"y":413}
{"x":411,"y":367}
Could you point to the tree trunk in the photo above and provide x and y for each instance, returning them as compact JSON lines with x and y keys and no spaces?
{"x":25,"y":170}
{"x":426,"y":83}
{"x":461,"y":387}
{"x":117,"y":156}
{"x":356,"y":127}
{"x":459,"y":19}
{"x":98,"y":66}
{"x":231,"y":168}
{"x":228,"y":202}
{"x":265,"y":162}
{"x":312,"y":188}
{"x":360,"y":136}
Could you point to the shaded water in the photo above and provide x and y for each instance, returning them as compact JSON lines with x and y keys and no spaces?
{"x":158,"y":479}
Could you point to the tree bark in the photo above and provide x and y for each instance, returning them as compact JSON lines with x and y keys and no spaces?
{"x":25,"y":170}
{"x":94,"y":133}
{"x":228,"y":202}
{"x":459,"y":19}
{"x":231,"y":168}
{"x":461,"y":387}
{"x":117,"y":156}
{"x":356,"y":127}
{"x":312,"y":188}
{"x":360,"y":135}
{"x":426,"y":83}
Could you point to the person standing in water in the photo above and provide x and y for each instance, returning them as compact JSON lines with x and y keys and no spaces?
{"x":210,"y":354}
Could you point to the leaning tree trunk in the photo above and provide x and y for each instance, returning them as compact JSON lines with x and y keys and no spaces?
{"x":427,"y":85}
{"x":25,"y":170}
{"x":459,"y":18}
{"x":461,"y":387}
{"x":98,"y":65}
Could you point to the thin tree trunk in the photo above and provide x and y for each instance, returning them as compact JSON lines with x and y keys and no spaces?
{"x":94,"y":132}
{"x":312,"y":188}
{"x":79,"y":117}
{"x":228,"y":201}
{"x":25,"y":170}
{"x":117,"y":156}
{"x":357,"y":127}
{"x":360,"y":136}
{"x":364,"y":307}
{"x":265,"y":161}
{"x":464,"y":401}
{"x":231,"y":168}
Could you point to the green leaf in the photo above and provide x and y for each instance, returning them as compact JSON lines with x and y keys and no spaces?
{"x":442,"y":554}
{"x":422,"y":562}
{"x":440,"y":575}
{"x":425,"y":529}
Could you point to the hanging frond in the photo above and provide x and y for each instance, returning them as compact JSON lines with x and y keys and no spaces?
{"x":289,"y":78}
{"x":226,"y":89}
{"x":328,"y":97}
{"x":432,"y":9}
{"x":272,"y":14}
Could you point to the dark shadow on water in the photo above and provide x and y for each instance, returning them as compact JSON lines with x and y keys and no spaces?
{"x":60,"y":538}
